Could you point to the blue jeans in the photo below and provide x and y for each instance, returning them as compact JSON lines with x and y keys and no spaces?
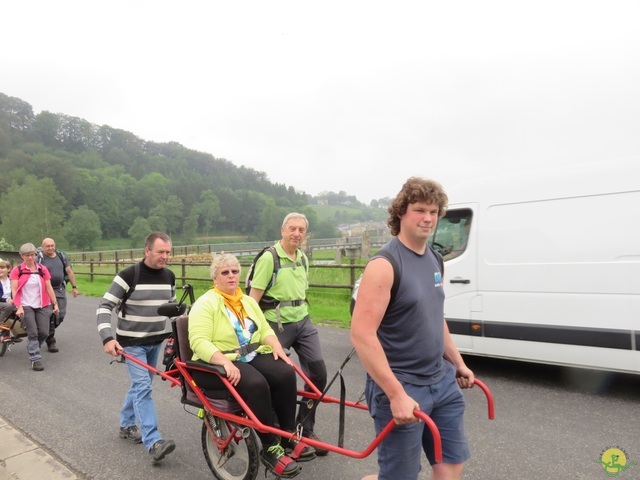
{"x":138,"y":404}
{"x":399,"y":453}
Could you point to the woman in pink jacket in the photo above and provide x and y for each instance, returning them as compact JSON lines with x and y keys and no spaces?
{"x":33,"y":296}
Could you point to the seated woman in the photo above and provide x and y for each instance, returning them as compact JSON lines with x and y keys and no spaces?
{"x":220,"y":322}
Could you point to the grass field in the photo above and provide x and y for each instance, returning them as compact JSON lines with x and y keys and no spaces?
{"x":326,"y":305}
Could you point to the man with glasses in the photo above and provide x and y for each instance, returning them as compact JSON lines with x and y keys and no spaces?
{"x":289,"y":315}
{"x":140,"y":333}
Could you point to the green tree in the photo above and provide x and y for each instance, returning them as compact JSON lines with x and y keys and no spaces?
{"x":324,"y":229}
{"x":157,"y":223}
{"x":139,"y":231}
{"x":170,"y":210}
{"x":190,"y":228}
{"x":32,"y":211}
{"x":5,"y":246}
{"x":208,"y":211}
{"x":82,"y":230}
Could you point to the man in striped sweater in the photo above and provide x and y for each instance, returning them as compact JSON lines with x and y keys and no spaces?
{"x":140,"y":332}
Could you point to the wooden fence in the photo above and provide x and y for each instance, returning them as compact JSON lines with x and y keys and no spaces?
{"x":184,"y":270}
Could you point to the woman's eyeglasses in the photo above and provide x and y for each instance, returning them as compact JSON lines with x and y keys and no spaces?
{"x":234,"y":271}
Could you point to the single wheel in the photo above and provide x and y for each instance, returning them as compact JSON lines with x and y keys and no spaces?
{"x":5,"y":338}
{"x":231,"y":450}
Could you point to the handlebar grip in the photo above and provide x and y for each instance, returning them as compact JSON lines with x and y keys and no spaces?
{"x":437,"y":442}
{"x":490,"y":403}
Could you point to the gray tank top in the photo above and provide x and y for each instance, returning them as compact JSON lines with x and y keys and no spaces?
{"x":412,"y":330}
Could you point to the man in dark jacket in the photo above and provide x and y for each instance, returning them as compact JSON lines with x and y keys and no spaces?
{"x":140,"y":333}
{"x":58,"y":265}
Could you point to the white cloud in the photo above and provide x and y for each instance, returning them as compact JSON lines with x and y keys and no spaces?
{"x":354,"y":96}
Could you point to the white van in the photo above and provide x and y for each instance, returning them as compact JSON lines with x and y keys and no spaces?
{"x":545,"y":266}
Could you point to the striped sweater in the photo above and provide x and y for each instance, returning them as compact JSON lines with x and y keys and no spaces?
{"x":142,"y":324}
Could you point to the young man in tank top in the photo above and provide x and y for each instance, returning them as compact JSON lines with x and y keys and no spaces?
{"x":405,"y":345}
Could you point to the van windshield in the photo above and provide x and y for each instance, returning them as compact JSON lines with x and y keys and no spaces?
{"x":452,"y":233}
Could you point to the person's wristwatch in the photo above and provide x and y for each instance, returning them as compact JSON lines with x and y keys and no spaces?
{"x":73,"y":286}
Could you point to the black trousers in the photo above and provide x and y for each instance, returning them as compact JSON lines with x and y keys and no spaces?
{"x":266,"y":385}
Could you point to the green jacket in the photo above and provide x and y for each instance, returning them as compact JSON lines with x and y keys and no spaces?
{"x":211,"y":331}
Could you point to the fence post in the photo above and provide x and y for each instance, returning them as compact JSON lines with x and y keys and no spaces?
{"x":352,"y":272}
{"x":91,"y":266}
{"x":184,"y":270}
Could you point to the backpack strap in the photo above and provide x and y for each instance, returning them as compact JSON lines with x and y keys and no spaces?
{"x":38,"y":271}
{"x":136,"y":277}
{"x":269,"y":302}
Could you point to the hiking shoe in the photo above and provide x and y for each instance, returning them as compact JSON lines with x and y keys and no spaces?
{"x":278,"y":463}
{"x":38,"y":366}
{"x":321,"y":452}
{"x":53,"y":348}
{"x":161,"y":449}
{"x":131,"y":433}
{"x":298,"y":450}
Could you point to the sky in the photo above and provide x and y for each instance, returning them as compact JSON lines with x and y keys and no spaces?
{"x":352,"y":96}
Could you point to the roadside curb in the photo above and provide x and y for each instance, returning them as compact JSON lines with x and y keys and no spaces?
{"x":23,"y":459}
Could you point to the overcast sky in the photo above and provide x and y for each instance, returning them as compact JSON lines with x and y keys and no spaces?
{"x":341,"y":95}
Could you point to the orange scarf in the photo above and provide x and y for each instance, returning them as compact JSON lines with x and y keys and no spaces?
{"x":234,"y":302}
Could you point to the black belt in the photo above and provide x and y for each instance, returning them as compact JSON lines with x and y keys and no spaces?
{"x":244,"y":350}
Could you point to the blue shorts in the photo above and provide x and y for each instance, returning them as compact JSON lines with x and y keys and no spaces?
{"x":399,"y":453}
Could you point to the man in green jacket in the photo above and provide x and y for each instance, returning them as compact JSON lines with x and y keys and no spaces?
{"x":289,"y":315}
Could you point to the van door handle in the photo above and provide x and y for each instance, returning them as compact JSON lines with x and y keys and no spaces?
{"x":465,"y":281}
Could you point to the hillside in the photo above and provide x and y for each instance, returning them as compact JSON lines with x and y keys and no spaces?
{"x":83,"y":183}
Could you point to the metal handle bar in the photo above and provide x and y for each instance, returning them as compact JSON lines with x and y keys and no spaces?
{"x":175,"y":381}
{"x":487,"y":392}
{"x":252,"y":421}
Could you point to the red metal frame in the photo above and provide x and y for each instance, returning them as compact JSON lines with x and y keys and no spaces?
{"x":251,"y":421}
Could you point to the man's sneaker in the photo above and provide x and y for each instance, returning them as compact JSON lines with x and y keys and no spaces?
{"x":38,"y":366}
{"x":53,"y":348}
{"x":161,"y":449}
{"x":321,"y":452}
{"x":131,"y":433}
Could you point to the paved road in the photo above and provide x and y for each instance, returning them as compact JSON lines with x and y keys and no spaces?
{"x":551,"y":422}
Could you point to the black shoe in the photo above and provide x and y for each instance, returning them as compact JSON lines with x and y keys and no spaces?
{"x":161,"y":449}
{"x":321,"y":452}
{"x":131,"y":433}
{"x":16,"y":339}
{"x":275,"y":459}
{"x":38,"y":366}
{"x":299,"y":451}
{"x":53,"y":348}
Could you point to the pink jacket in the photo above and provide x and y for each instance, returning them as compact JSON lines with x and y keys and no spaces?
{"x":22,"y":279}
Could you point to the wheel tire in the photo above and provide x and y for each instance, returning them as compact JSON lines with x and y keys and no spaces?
{"x":4,"y":342}
{"x":240,"y":460}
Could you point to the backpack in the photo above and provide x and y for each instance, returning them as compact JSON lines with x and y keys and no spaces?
{"x":396,"y":276}
{"x":267,"y":302}
{"x":21,"y":272}
{"x":132,"y":287}
{"x":63,"y":258}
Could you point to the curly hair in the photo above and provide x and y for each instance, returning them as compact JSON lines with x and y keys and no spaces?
{"x":416,"y":189}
